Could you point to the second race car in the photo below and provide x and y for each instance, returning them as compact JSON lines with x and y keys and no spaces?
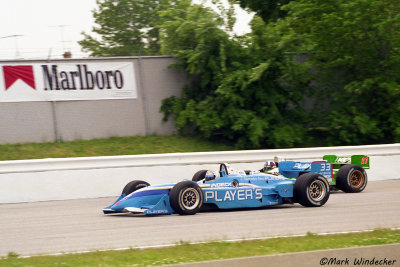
{"x":346,"y":173}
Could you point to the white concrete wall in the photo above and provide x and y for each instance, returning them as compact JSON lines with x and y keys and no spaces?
{"x":57,"y":179}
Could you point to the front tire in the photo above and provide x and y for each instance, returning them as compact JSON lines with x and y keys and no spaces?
{"x":351,"y":179}
{"x":186,"y":198}
{"x":311,"y":190}
{"x":133,"y":186}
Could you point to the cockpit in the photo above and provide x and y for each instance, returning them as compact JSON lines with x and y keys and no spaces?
{"x":224,"y":170}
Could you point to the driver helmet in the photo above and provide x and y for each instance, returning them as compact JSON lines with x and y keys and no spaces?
{"x":269,"y":165}
{"x":211,"y":175}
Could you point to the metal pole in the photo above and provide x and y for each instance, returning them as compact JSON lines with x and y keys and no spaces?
{"x":17,"y":54}
{"x":144,"y":98}
{"x":57,"y":138}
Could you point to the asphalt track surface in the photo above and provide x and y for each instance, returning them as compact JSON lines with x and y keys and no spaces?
{"x":78,"y":225}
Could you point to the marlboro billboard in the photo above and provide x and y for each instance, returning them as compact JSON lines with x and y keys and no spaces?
{"x":67,"y":81}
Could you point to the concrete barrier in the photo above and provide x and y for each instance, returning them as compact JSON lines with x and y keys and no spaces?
{"x":74,"y":178}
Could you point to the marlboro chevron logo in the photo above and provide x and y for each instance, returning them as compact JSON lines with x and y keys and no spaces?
{"x":67,"y":81}
{"x":13,"y":73}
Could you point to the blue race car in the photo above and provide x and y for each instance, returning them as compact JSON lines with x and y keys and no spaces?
{"x":224,"y":189}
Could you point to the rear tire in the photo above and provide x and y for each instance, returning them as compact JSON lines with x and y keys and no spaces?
{"x":200,"y":175}
{"x":311,"y":190}
{"x":186,"y":198}
{"x":133,"y":186}
{"x":351,"y":179}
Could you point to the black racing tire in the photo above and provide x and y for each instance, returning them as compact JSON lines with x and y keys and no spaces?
{"x":311,"y":190}
{"x":133,"y":186}
{"x":186,"y":198}
{"x":351,"y":178}
{"x":199,"y":175}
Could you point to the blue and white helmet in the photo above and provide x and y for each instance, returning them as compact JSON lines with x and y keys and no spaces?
{"x":212,"y":175}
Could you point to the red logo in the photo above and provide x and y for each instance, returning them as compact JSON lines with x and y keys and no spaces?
{"x":13,"y":73}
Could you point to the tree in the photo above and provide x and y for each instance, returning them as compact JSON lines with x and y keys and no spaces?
{"x":354,"y":49}
{"x":239,"y":93}
{"x":125,"y":28}
{"x":268,"y":10}
{"x":255,"y":90}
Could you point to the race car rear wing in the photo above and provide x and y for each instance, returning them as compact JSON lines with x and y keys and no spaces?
{"x":360,"y":160}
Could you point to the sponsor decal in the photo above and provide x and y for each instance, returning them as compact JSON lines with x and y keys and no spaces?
{"x":156,"y":211}
{"x":266,"y":177}
{"x":67,"y":81}
{"x":221,"y":185}
{"x":343,"y":160}
{"x":13,"y":73}
{"x":81,"y":78}
{"x":301,"y":166}
{"x":233,"y":195}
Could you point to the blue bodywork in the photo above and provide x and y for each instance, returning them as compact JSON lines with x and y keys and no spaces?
{"x":293,"y":169}
{"x":148,"y":200}
{"x":235,"y":190}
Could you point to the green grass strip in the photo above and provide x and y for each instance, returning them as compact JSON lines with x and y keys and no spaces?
{"x":183,"y":253}
{"x":109,"y":147}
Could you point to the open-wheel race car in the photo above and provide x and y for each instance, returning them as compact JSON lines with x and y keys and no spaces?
{"x":224,"y":189}
{"x":346,"y":173}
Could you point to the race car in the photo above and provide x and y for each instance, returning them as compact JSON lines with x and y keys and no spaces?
{"x":346,"y":173}
{"x":224,"y":189}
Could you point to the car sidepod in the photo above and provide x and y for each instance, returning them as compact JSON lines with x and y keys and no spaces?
{"x":250,"y":192}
